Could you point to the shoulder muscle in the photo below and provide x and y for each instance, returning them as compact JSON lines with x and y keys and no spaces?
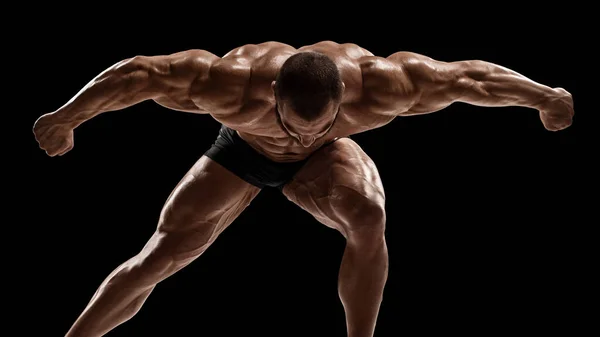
{"x":386,"y":85}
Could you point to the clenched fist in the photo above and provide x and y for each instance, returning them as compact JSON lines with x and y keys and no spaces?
{"x":54,"y":136}
{"x":557,"y":112}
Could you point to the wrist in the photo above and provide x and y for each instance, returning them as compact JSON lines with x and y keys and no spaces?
{"x":548,"y":97}
{"x":66,"y":118}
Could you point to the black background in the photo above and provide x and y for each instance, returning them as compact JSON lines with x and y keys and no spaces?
{"x":485,"y":223}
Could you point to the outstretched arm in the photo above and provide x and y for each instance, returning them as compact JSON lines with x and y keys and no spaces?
{"x":438,"y":84}
{"x":169,"y":80}
{"x":161,"y":78}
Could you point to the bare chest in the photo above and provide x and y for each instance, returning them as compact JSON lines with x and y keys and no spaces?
{"x":257,"y":124}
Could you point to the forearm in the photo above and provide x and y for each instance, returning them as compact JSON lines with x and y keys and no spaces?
{"x":120,"y":86}
{"x":431,"y":85}
{"x":486,"y":84}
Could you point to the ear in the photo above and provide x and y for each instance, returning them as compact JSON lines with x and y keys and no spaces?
{"x":343,"y":87}
{"x":273,"y":86}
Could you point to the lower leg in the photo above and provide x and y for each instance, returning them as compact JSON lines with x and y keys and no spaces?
{"x":125,"y":290}
{"x":362,"y":279}
{"x":117,"y":300}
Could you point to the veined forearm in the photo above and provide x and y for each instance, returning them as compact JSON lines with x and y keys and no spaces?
{"x":120,"y":86}
{"x":433,"y":85}
{"x":486,"y":84}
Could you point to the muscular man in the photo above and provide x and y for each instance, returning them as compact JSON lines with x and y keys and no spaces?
{"x":286,"y":115}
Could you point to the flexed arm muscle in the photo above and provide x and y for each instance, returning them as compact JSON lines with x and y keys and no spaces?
{"x":437,"y":84}
{"x":168,"y":80}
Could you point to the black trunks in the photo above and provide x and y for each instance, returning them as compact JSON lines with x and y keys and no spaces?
{"x":233,"y":153}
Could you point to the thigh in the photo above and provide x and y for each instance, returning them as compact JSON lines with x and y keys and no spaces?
{"x":338,"y":184}
{"x":201,"y":206}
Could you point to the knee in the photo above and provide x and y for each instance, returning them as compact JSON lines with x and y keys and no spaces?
{"x":178,"y":246}
{"x":182,"y":234}
{"x":361,"y":214}
{"x":167,"y":252}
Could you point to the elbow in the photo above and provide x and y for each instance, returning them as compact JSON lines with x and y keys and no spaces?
{"x":132,"y":65}
{"x":481,"y":70}
{"x":467,"y":87}
{"x":127,"y":77}
{"x":133,"y":71}
{"x":476,"y":70}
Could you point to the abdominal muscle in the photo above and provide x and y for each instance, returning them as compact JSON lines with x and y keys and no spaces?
{"x":259,"y":127}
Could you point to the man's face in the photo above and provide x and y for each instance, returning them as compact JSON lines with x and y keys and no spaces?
{"x":307,"y":133}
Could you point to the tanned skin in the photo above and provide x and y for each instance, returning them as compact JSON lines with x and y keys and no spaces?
{"x":339,"y":185}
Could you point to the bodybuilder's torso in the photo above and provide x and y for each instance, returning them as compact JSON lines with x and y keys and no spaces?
{"x":240,"y":95}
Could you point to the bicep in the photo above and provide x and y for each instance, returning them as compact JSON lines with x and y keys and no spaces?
{"x":179,"y":70}
{"x":171,"y":78}
{"x":437,"y":84}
